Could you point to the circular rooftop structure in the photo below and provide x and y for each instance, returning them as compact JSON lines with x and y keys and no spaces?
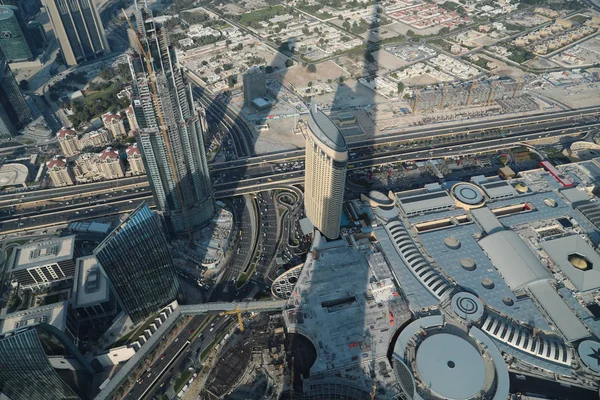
{"x":13,"y":175}
{"x":444,"y":360}
{"x":521,"y":187}
{"x":452,"y":243}
{"x":380,"y":197}
{"x":589,"y":352}
{"x":435,"y":359}
{"x":579,"y":261}
{"x":468,"y":264}
{"x":467,"y":306}
{"x":467,"y":195}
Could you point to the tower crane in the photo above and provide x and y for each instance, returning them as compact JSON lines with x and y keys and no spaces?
{"x":147,"y":56}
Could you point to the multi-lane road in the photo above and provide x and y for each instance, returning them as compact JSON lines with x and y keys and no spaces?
{"x":35,"y":209}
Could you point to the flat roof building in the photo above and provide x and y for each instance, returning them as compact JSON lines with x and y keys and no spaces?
{"x":44,"y":262}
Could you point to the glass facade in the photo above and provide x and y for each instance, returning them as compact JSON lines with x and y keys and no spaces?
{"x":136,"y":260}
{"x":26,"y":373}
{"x":14,"y":36}
{"x":14,"y":112}
{"x":173,"y":150}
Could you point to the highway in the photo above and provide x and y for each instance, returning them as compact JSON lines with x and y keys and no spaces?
{"x":34,"y":209}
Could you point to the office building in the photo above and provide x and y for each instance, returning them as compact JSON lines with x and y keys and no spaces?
{"x":67,"y":138}
{"x":136,"y":260}
{"x":59,"y":172}
{"x":171,"y":138}
{"x":43,"y":263}
{"x":325,"y":177}
{"x":254,"y":85}
{"x":134,"y":157}
{"x":14,"y":113}
{"x":15,"y":41}
{"x":78,"y":28}
{"x":91,"y":300}
{"x":37,"y":35}
{"x":28,"y":8}
{"x":26,"y":373}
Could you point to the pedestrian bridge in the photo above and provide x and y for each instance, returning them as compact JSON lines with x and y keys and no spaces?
{"x":243,"y":306}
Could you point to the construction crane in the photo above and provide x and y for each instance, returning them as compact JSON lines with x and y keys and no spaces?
{"x":443,"y":96}
{"x":517,"y":87}
{"x":147,"y":56}
{"x":491,"y":96}
{"x":474,"y":84}
{"x":416,"y":101}
{"x":239,"y":316}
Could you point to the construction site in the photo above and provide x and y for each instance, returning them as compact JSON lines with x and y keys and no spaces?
{"x":503,"y":93}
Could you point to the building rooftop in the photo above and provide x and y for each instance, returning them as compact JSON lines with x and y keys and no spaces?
{"x":90,"y":285}
{"x":109,"y":153}
{"x":57,"y":162}
{"x":63,"y":132}
{"x":43,"y":252}
{"x":13,"y":175}
{"x":52,"y":314}
{"x":326,"y":130}
{"x":133,"y":150}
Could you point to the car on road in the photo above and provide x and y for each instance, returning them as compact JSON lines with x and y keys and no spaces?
{"x":163,"y":357}
{"x":176,"y":339}
{"x":191,"y":331}
{"x":188,"y":349}
{"x":141,"y":380}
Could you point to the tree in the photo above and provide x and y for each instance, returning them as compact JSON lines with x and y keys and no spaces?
{"x":289,"y":62}
{"x":228,"y":42}
{"x":341,"y":17}
{"x":24,"y":85}
{"x":444,"y":30}
{"x":309,"y":84}
{"x":400,"y":87}
{"x":269,"y":69}
{"x":312,"y":68}
{"x":218,"y":70}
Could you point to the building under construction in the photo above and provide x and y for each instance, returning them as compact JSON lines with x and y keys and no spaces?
{"x":464,"y":94}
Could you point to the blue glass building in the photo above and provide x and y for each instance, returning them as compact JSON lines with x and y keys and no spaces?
{"x":136,"y":260}
{"x":26,"y":373}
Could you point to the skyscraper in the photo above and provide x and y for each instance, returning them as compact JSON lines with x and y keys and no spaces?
{"x":15,"y":41}
{"x":78,"y":28}
{"x":169,"y":131}
{"x":136,"y":260}
{"x":27,"y":7}
{"x":254,"y":85}
{"x":325,"y":173}
{"x":14,"y":113}
{"x":26,"y":373}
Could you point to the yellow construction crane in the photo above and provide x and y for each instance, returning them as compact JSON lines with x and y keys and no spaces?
{"x":145,"y":53}
{"x":517,"y":87}
{"x":491,"y":96}
{"x":443,"y":96}
{"x":474,"y":84}
{"x":416,"y":103}
{"x":239,"y":316}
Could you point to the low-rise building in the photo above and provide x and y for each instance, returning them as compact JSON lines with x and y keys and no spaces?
{"x":67,"y":138}
{"x":110,"y":164}
{"x":114,"y":124}
{"x":134,"y":157}
{"x":59,"y":172}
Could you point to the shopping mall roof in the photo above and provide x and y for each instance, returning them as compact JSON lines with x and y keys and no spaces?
{"x":498,"y":189}
{"x":577,"y":260}
{"x":513,"y":259}
{"x":426,"y":202}
{"x":487,"y":220}
{"x":13,"y":175}
{"x":325,"y":130}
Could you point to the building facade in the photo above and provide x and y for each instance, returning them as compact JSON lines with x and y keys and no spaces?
{"x":15,"y":41}
{"x":254,"y":85}
{"x":134,"y":157}
{"x":26,"y":372}
{"x":114,"y":124}
{"x":130,"y":113}
{"x":59,"y":172}
{"x":14,"y":112}
{"x":67,"y":138}
{"x":78,"y":28}
{"x":110,"y":164}
{"x":28,"y":8}
{"x":170,"y":137}
{"x":98,"y":138}
{"x":326,"y":163}
{"x":136,"y":260}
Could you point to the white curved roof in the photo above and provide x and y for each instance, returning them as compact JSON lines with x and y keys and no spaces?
{"x":513,"y":259}
{"x":13,"y":175}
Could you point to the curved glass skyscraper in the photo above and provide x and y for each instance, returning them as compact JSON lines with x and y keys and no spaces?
{"x":136,"y":260}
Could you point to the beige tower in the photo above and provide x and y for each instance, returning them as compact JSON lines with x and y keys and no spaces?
{"x":59,"y":172}
{"x":134,"y":156}
{"x":69,"y":143}
{"x":325,"y":173}
{"x":78,"y":28}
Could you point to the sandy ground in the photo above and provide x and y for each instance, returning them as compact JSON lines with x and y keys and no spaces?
{"x":388,"y":62}
{"x":575,"y":96}
{"x":425,"y":79}
{"x":279,"y":137}
{"x":299,"y":76}
{"x":504,"y":69}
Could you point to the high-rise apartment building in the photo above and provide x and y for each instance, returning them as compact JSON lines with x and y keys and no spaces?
{"x":14,"y":112}
{"x":26,"y":372}
{"x":254,"y":84}
{"x":59,"y":172}
{"x":78,"y":28}
{"x":136,"y":260}
{"x":110,"y":164}
{"x":325,"y":173}
{"x":169,"y":132}
{"x":114,"y":124}
{"x":15,"y":41}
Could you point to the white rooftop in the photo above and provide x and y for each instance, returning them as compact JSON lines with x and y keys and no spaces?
{"x":52,"y":314}
{"x":91,"y":286}
{"x":44,"y":252}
